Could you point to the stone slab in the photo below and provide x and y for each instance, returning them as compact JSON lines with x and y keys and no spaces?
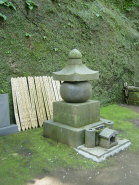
{"x":76,"y":114}
{"x":63,"y":133}
{"x":4,"y":111}
{"x":11,"y":129}
{"x":66,"y":134}
{"x":99,"y":154}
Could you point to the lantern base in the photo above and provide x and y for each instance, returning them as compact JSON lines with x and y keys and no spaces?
{"x":69,"y":135}
{"x":99,"y":154}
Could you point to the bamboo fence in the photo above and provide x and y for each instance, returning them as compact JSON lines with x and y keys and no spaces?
{"x":33,"y":99}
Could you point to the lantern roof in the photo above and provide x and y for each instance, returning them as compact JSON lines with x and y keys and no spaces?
{"x":75,"y":70}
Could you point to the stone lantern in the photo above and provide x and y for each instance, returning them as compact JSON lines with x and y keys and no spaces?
{"x":75,"y":88}
{"x":76,"y":120}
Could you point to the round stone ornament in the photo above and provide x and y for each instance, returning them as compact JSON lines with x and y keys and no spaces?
{"x":75,"y":92}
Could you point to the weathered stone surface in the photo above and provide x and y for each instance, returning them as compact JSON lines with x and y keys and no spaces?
{"x":108,"y":138}
{"x":63,"y":133}
{"x":76,"y":114}
{"x":75,"y":92}
{"x":108,"y":133}
{"x":99,"y":154}
{"x":66,"y":134}
{"x":4,"y":111}
{"x":75,"y":54}
{"x":90,"y":138}
{"x":5,"y":126}
{"x":75,"y":70}
{"x":11,"y":129}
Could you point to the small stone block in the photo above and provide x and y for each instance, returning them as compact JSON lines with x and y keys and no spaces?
{"x":63,"y":133}
{"x":105,"y":143}
{"x":11,"y":129}
{"x":90,"y":137}
{"x":76,"y":114}
{"x":4,"y":111}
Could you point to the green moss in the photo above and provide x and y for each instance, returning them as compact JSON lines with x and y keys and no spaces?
{"x":28,"y":154}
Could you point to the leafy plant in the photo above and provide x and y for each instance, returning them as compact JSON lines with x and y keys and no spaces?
{"x":1,"y":91}
{"x":44,"y":37}
{"x":70,"y":25}
{"x":2,"y":16}
{"x":7,"y":4}
{"x":55,"y":49}
{"x":28,"y":35}
{"x":30,"y":4}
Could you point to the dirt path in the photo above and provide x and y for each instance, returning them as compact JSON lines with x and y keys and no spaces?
{"x":132,"y":107}
{"x":124,"y":171}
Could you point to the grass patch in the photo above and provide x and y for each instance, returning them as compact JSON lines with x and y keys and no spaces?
{"x":28,"y":154}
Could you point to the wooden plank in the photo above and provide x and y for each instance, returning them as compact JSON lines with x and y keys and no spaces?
{"x":41,"y":107}
{"x":33,"y":99}
{"x":36,"y":101}
{"x":48,"y":96}
{"x":45,"y":97}
{"x":57,"y":83}
{"x":54,"y":89}
{"x":29,"y":107}
{"x":51,"y":94}
{"x":25,"y":102}
{"x":15,"y":104}
{"x":53,"y":97}
{"x":21,"y":104}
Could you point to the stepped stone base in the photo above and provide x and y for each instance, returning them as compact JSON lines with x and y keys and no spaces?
{"x":99,"y":154}
{"x":69,"y":135}
{"x":10,"y":129}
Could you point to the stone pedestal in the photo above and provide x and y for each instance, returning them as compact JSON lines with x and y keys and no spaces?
{"x":67,"y":134}
{"x":76,"y":114}
{"x":76,"y":120}
{"x":99,"y":154}
{"x":63,"y":133}
{"x":5,"y":126}
{"x":69,"y":126}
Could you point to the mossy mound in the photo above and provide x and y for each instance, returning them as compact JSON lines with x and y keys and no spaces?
{"x":37,"y":42}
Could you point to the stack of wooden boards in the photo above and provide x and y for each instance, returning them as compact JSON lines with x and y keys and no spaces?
{"x":33,"y":99}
